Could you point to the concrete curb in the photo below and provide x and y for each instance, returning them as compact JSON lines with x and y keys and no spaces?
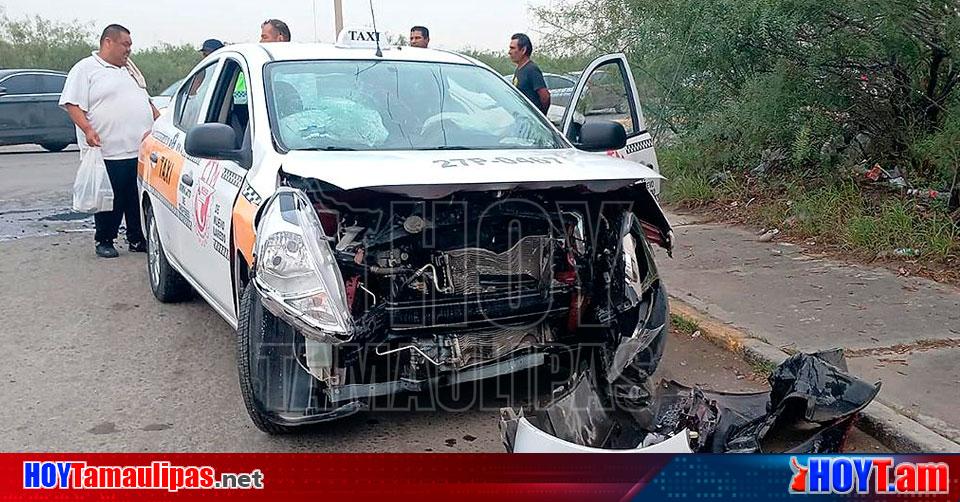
{"x":896,"y":431}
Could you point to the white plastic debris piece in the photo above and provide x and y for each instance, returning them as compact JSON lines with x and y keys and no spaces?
{"x":530,"y":439}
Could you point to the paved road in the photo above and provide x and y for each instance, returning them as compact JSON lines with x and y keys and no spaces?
{"x":92,"y":362}
{"x":35,"y":194}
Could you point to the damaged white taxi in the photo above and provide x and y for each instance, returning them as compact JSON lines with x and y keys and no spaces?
{"x":381,"y":220}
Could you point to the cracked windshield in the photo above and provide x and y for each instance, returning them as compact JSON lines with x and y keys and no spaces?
{"x":381,"y":105}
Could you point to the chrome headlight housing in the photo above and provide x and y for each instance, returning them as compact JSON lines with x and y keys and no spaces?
{"x":296,"y":272}
{"x":640,"y":271}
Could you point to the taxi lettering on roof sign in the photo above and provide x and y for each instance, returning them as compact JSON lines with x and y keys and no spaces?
{"x":357,"y":38}
{"x":270,"y":207}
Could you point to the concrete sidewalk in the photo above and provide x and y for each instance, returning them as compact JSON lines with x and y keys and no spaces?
{"x":902,"y":331}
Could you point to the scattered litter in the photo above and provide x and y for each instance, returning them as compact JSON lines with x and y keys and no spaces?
{"x":696,"y":334}
{"x":874,"y":173}
{"x":769,"y":235}
{"x":893,"y":177}
{"x":907,"y":252}
{"x":776,"y":252}
{"x":922,"y":193}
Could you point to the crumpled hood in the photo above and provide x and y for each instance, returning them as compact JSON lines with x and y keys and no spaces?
{"x":436,"y":174}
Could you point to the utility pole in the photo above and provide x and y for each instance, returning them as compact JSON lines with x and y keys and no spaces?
{"x":338,"y":18}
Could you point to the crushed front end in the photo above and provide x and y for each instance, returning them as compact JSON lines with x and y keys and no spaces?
{"x":385,"y":292}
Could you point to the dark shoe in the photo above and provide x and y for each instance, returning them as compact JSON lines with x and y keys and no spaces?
{"x":138,"y":247}
{"x":106,"y":250}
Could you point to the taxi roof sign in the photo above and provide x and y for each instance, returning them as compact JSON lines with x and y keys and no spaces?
{"x":360,"y":38}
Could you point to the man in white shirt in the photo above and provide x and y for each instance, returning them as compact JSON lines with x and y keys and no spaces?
{"x":106,"y":98}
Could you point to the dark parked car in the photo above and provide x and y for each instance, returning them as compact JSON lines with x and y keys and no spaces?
{"x":29,"y":112}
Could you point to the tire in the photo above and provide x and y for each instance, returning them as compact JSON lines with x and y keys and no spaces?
{"x":272,"y":382}
{"x":54,"y":147}
{"x":167,"y":284}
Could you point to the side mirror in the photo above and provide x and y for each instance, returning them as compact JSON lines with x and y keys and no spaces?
{"x":216,"y":141}
{"x":3,"y":91}
{"x":601,"y":136}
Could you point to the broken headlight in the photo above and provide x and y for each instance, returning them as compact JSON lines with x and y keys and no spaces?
{"x":640,"y":271}
{"x":296,"y":269}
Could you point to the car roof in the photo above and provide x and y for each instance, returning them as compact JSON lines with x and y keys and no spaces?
{"x":296,"y":51}
{"x":8,"y":72}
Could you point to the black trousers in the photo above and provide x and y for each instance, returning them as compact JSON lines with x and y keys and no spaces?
{"x":123,"y":179}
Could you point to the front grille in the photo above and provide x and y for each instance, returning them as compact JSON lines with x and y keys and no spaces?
{"x":479,"y":310}
{"x":528,"y":264}
{"x":475,"y":347}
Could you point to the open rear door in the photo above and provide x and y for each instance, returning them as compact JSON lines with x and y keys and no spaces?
{"x":607,"y":91}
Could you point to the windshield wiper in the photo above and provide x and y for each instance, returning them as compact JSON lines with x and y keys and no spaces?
{"x":451,"y":147}
{"x":327,"y":149}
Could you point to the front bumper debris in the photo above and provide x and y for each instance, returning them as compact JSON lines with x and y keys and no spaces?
{"x":810,"y":408}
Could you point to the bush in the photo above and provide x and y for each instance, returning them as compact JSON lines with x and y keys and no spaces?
{"x":164,"y":65}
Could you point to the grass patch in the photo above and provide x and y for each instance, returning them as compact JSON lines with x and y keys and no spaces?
{"x":824,"y":210}
{"x":763,"y":368}
{"x":683,"y":325}
{"x":689,"y":190}
{"x":900,"y":224}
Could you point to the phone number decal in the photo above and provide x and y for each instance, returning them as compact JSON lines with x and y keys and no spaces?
{"x":498,"y":160}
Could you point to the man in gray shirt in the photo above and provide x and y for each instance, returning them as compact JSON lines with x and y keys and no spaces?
{"x":105,"y":97}
{"x":528,"y":77}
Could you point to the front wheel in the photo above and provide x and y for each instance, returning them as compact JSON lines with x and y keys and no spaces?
{"x":278,"y":393}
{"x":167,"y":284}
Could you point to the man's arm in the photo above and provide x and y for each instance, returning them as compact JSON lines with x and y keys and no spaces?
{"x":79,"y":117}
{"x":544,"y":95}
{"x":540,"y":87}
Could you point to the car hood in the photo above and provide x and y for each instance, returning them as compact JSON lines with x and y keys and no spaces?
{"x":437,"y":174}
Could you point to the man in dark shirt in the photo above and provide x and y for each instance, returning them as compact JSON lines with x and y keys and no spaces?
{"x":528,"y":78}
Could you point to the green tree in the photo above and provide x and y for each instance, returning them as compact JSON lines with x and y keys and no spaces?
{"x":736,"y":78}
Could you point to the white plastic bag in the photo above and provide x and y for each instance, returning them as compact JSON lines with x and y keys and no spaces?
{"x":92,"y":192}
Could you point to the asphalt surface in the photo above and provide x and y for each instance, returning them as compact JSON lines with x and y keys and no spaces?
{"x":36,"y":193}
{"x":92,"y":362}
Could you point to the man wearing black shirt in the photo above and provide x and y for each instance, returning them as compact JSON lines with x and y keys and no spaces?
{"x":528,"y":78}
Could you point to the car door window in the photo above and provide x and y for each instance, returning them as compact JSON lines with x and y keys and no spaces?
{"x":605,"y":98}
{"x":190,"y":98}
{"x":52,"y":84}
{"x":22,"y":84}
{"x":228,"y":102}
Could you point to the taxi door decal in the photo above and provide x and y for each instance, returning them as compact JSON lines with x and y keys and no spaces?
{"x":162,"y":169}
{"x":203,"y":198}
